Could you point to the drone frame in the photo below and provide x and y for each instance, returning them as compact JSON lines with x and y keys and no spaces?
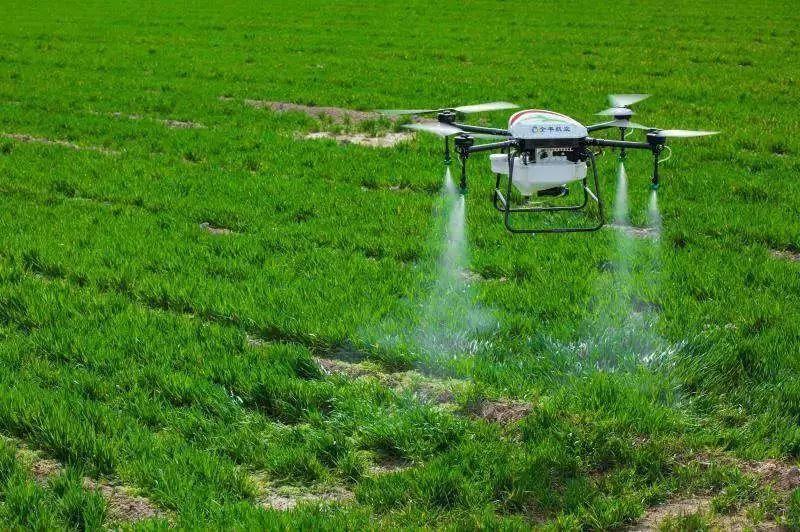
{"x":465,"y":146}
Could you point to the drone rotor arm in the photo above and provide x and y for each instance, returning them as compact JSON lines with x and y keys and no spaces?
{"x":600,"y":126}
{"x":490,"y":146}
{"x":479,"y":130}
{"x":611,"y":143}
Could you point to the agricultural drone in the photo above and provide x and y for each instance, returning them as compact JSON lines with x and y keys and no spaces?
{"x":544,"y":152}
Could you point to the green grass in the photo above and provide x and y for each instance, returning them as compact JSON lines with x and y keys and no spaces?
{"x":124,"y":325}
{"x":62,"y":503}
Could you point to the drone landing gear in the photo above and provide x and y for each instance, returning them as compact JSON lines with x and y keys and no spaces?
{"x":503,"y":202}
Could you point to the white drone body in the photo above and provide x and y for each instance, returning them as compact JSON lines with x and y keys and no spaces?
{"x":550,"y":166}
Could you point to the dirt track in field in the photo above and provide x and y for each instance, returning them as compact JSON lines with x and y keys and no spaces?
{"x":780,"y":476}
{"x":123,"y":504}
{"x":23,"y":137}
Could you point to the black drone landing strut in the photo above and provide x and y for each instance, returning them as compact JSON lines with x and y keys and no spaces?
{"x":503,"y":204}
{"x":591,"y":193}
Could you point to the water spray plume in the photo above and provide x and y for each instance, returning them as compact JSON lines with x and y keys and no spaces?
{"x":654,"y":213}
{"x":621,"y":200}
{"x":448,"y":322}
{"x":624,"y":335}
{"x":449,"y":185}
{"x":451,"y":316}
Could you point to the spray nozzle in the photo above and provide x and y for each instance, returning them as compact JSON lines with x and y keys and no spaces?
{"x":654,"y":185}
{"x":463,"y":143}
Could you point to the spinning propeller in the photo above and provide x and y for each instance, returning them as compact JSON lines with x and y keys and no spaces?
{"x":620,"y":105}
{"x":477,"y":108}
{"x":621,"y":111}
{"x":446,"y":130}
{"x":681,"y":133}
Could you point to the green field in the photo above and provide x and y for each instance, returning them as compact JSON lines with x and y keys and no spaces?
{"x":286,"y":370}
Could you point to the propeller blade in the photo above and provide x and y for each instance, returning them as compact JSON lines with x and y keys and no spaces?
{"x":400,"y":112}
{"x":683,"y":133}
{"x":445,"y":130}
{"x":437,"y":128}
{"x":483,"y":107}
{"x":624,"y":100}
{"x":477,"y":108}
{"x":485,"y":135}
{"x":616,"y":111}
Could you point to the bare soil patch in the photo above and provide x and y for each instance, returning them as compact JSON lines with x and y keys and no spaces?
{"x":470,"y":276}
{"x":337,"y":115}
{"x":500,"y":411}
{"x":428,"y":392}
{"x":22,"y":137}
{"x":254,"y":341}
{"x":387,"y":465}
{"x":781,"y":476}
{"x":423,"y":388}
{"x":332,"y":366}
{"x":657,"y":514}
{"x":123,"y":505}
{"x":786,"y":254}
{"x":181,"y":124}
{"x":215,"y":230}
{"x":383,"y":141}
{"x":168,"y":122}
{"x":287,"y":498}
{"x":390,"y":188}
{"x":44,"y":468}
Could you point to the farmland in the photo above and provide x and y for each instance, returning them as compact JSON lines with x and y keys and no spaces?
{"x":208,"y":320}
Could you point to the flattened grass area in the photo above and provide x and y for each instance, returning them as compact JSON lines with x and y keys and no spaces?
{"x":127,"y":327}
